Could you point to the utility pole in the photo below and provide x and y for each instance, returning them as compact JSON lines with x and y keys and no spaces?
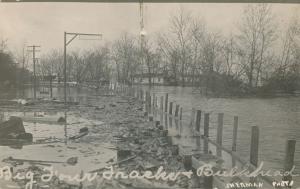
{"x":34,"y":50}
{"x":142,"y":37}
{"x":23,"y":70}
{"x":66,"y":43}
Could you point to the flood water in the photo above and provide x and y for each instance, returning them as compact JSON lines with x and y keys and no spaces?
{"x":50,"y":142}
{"x":278,"y":119}
{"x":51,"y":139}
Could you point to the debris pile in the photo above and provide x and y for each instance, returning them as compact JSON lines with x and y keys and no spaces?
{"x":138,"y":144}
{"x":14,"y":129}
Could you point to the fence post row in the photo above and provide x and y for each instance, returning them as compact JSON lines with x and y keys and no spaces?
{"x":254,"y":148}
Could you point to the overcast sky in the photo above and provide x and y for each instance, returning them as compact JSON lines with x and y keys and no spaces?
{"x":44,"y":23}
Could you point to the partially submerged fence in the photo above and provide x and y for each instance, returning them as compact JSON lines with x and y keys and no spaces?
{"x":163,"y":112}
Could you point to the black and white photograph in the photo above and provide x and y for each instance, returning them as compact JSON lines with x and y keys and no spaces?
{"x":149,"y":94}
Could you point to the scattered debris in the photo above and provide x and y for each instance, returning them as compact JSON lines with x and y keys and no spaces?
{"x":14,"y":129}
{"x":116,"y":163}
{"x":61,"y":120}
{"x":72,"y":160}
{"x":25,"y":102}
{"x":100,"y":108}
{"x":11,"y":159}
{"x":13,"y":125}
{"x":81,"y":134}
{"x":112,"y":105}
{"x":138,"y":144}
{"x":84,"y":129}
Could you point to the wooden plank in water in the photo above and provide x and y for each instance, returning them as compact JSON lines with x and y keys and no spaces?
{"x":46,"y":120}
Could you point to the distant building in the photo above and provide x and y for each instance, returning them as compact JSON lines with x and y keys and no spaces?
{"x":156,"y":79}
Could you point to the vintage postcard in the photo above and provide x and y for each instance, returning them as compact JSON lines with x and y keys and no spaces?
{"x":149,"y":94}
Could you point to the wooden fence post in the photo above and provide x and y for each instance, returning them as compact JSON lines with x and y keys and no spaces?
{"x":139,"y":94}
{"x":142,"y":95}
{"x":198,"y":120}
{"x":176,"y":110}
{"x":220,"y":133}
{"x":161,"y":112}
{"x":180,"y":115}
{"x":187,"y":162}
{"x":149,"y":102}
{"x":153,"y":101}
{"x":170,"y":114}
{"x":254,"y":149}
{"x":206,"y":132}
{"x":166,"y":102}
{"x":234,"y":137}
{"x":170,"y":121}
{"x":155,"y":106}
{"x":192,"y":117}
{"x":206,"y":124}
{"x":254,"y":145}
{"x":289,"y":159}
{"x":146,"y":103}
{"x":171,"y":108}
{"x":161,"y":104}
{"x":208,"y":182}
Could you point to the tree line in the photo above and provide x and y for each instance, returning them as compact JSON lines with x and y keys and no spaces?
{"x":258,"y":57}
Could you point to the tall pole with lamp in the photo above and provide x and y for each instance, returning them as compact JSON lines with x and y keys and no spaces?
{"x":66,"y":43}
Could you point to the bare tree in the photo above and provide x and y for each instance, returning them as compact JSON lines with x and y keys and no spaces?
{"x":229,"y":53}
{"x":126,"y":56}
{"x":198,"y":34}
{"x":98,"y":65}
{"x":180,"y":31}
{"x":289,"y":47}
{"x":257,"y":32}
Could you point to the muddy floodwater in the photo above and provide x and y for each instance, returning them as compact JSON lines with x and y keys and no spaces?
{"x":277,"y":118}
{"x":50,"y":142}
